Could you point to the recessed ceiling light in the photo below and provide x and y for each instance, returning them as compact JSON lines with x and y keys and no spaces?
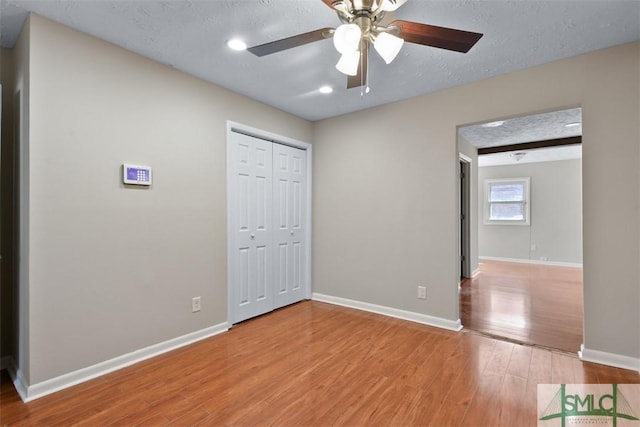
{"x":237,"y":44}
{"x":325,"y":89}
{"x":574,"y":124}
{"x":493,"y":124}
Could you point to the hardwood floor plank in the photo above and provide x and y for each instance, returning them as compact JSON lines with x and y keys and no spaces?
{"x":431,"y":398}
{"x":513,"y":398}
{"x":381,"y":407}
{"x":464,"y":387}
{"x":140,"y":418}
{"x":611,"y":375}
{"x":562,"y":371}
{"x":500,"y":358}
{"x":93,"y":403}
{"x":590,"y":372}
{"x":348,"y":401}
{"x":449,"y":414}
{"x":173,"y":407}
{"x":127,"y":407}
{"x":530,"y":411}
{"x":154,"y":421}
{"x":540,"y":366}
{"x":483,"y":408}
{"x":416,"y":376}
{"x":520,"y":361}
{"x":190,"y":418}
{"x":314,"y":364}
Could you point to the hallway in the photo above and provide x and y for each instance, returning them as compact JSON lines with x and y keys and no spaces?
{"x":532,"y":304}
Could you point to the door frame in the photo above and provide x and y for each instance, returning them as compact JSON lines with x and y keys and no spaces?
{"x":464,"y":222}
{"x":278,"y":139}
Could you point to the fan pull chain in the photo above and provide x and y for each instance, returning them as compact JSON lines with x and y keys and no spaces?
{"x":364,"y":89}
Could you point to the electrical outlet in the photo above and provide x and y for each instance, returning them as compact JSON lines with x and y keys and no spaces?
{"x":195,"y":304}
{"x":422,"y":292}
{"x":533,"y":247}
{"x":544,"y":258}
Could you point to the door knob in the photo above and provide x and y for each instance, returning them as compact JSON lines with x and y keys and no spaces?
{"x":292,"y":232}
{"x":253,"y":236}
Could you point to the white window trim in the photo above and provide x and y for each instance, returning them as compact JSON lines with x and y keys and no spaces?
{"x":527,"y":201}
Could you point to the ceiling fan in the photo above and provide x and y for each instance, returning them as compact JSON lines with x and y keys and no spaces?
{"x":363,"y":25}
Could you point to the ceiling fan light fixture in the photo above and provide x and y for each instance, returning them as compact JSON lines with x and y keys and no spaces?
{"x":342,"y":8}
{"x":346,"y":38}
{"x":518,"y":155}
{"x":366,"y":23}
{"x":388,"y":46}
{"x":348,"y":63}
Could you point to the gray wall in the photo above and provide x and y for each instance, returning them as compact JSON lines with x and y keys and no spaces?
{"x":385,"y":213}
{"x":556,"y":214}
{"x":113,"y":269}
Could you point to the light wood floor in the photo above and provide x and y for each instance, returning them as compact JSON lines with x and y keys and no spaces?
{"x":314,"y":364}
{"x":534,"y":304}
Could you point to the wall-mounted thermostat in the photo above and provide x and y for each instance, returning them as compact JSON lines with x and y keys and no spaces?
{"x":136,"y":175}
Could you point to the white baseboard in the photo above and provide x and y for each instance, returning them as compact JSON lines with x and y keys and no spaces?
{"x":475,"y":272}
{"x":611,"y":359}
{"x":531,"y":261}
{"x":19,"y":383}
{"x":391,"y":312}
{"x":35,"y":391}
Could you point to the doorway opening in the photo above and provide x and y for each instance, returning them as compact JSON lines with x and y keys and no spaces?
{"x":465,"y":216}
{"x":524,"y":235}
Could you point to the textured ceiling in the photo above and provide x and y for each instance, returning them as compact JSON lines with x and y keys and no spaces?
{"x":191,"y":36}
{"x":518,"y":130}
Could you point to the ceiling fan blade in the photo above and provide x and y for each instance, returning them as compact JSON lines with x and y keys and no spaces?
{"x":441,"y":37}
{"x":291,"y":42}
{"x":360,"y":79}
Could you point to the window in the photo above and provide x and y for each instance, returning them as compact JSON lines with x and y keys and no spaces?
{"x":507,"y":201}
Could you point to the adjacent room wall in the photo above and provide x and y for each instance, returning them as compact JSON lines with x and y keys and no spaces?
{"x":113,"y":269}
{"x":555,"y":232}
{"x":385,"y":191}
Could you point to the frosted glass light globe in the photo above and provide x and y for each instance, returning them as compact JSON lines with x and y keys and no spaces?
{"x":347,"y":38}
{"x":388,"y":46}
{"x":348,"y":63}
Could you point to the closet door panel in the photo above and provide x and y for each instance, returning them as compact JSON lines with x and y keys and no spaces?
{"x":289,"y":201}
{"x":251,"y":264}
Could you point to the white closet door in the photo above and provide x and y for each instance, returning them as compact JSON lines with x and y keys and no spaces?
{"x":289,"y":228}
{"x":251,"y":220}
